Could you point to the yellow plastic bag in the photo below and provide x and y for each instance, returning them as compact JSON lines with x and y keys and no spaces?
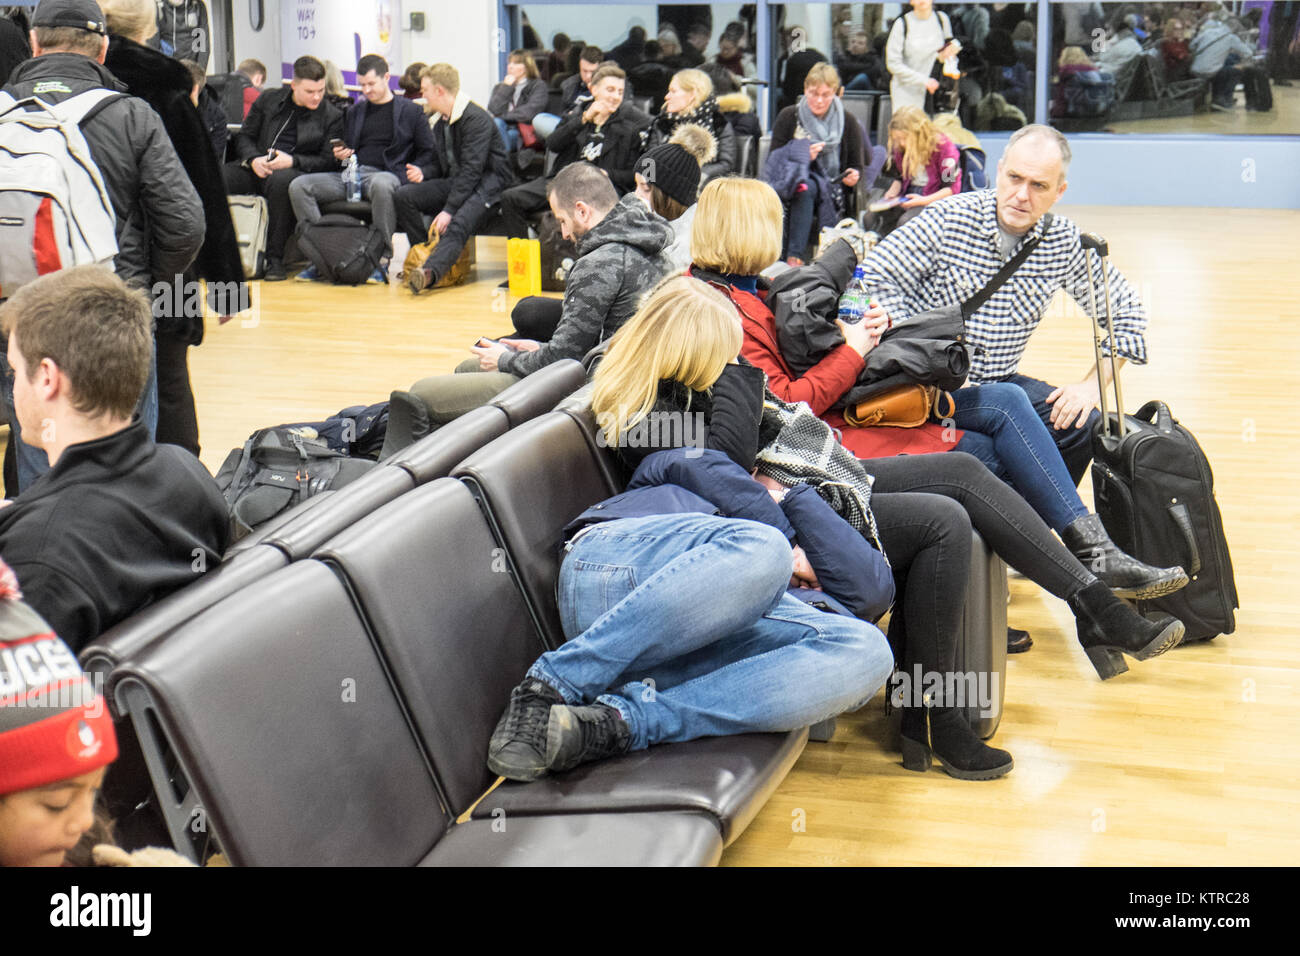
{"x":524,"y":261}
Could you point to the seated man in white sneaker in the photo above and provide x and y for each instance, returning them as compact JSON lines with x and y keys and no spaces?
{"x":118,"y":522}
{"x":386,"y":134}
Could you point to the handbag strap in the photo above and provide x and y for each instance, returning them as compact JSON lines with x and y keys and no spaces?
{"x":973,"y":304}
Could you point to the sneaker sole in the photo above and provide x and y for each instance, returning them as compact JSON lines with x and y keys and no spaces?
{"x":1158,"y":589}
{"x":514,"y":770}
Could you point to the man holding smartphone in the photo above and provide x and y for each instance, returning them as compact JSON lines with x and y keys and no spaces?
{"x":287,"y":133}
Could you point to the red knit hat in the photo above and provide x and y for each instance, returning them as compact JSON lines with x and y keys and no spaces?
{"x":53,"y":725}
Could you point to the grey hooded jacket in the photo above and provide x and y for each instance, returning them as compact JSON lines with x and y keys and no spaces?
{"x":619,"y":261}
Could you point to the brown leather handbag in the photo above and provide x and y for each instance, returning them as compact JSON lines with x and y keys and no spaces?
{"x":907,"y":406}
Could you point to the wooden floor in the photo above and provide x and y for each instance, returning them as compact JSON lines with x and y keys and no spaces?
{"x":1190,"y":759}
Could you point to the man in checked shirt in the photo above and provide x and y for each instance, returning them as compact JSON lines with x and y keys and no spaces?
{"x":948,"y":253}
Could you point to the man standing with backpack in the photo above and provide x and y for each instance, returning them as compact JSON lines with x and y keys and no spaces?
{"x":158,"y":219}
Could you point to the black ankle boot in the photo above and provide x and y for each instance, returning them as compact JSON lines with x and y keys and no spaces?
{"x":962,"y":754}
{"x":1126,"y":576}
{"x":1109,"y":629}
{"x":408,"y":422}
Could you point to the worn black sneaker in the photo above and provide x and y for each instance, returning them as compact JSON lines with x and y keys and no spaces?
{"x":274,"y":271}
{"x":518,"y":746}
{"x":579,"y":735}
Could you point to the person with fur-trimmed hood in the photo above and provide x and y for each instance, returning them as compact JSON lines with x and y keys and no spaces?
{"x":690,"y":100}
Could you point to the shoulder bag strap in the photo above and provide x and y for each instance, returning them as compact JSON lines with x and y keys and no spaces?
{"x":973,"y":304}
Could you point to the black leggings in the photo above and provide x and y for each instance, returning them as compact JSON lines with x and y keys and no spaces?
{"x":925,"y":507}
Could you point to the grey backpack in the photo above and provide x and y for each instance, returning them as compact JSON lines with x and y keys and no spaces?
{"x":54,"y":209}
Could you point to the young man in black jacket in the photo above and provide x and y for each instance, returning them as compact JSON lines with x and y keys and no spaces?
{"x":160,"y":224}
{"x":118,"y":522}
{"x":287,"y":133}
{"x":605,"y":131}
{"x":470,"y":170}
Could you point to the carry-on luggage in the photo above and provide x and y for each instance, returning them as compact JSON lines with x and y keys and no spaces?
{"x":343,"y":249}
{"x":250,"y":217}
{"x":1154,"y":490}
{"x":979,"y":679}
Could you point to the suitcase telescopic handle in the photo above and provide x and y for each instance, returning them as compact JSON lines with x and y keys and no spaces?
{"x":1090,"y":241}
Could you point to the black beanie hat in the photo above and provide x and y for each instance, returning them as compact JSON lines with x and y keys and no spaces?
{"x":672,"y":169}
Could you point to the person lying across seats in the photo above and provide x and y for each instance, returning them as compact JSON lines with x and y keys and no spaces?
{"x":386,"y":134}
{"x":818,"y":154}
{"x":518,"y":98}
{"x":607,"y":131}
{"x":621,"y":247}
{"x":118,"y":522}
{"x":735,"y":234}
{"x":654,"y":653}
{"x":690,"y":100}
{"x":470,"y":168}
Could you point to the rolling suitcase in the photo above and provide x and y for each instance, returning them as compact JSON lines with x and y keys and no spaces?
{"x":981,"y":659}
{"x":249,"y":215}
{"x":1154,"y":490}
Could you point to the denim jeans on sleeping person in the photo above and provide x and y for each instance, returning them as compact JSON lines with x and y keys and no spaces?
{"x":652,"y":634}
{"x":1006,"y":434}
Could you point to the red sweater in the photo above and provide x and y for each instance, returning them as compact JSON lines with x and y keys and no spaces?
{"x":824,"y":384}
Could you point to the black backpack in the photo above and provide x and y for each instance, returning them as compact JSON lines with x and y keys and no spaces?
{"x":285,"y":465}
{"x":343,"y":249}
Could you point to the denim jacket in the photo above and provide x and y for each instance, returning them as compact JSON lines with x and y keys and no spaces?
{"x":705,"y":481}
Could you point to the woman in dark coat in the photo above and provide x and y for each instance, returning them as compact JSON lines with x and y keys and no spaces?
{"x":165,"y":84}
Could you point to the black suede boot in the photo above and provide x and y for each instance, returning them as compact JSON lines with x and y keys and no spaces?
{"x":1109,"y":629}
{"x":1126,"y":576}
{"x":957,"y":747}
{"x":408,"y":422}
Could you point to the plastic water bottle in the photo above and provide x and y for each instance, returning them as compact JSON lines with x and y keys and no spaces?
{"x":856,"y":300}
{"x":352,"y":179}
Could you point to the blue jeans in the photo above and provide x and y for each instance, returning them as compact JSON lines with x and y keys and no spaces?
{"x":653,"y":635}
{"x":544,"y":124}
{"x":508,"y":133}
{"x":1004,"y":432}
{"x":33,"y":462}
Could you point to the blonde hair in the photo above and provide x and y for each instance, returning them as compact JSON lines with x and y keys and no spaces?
{"x":1074,"y":56}
{"x":685,"y":330}
{"x":444,"y":75}
{"x":134,"y":19}
{"x":920,"y":138}
{"x":737,"y":226}
{"x":334,"y":85}
{"x":822,"y":74}
{"x":695,"y":82}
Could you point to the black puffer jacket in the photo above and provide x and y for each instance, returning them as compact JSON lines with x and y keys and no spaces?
{"x":164,"y":84}
{"x":160,"y":222}
{"x":183,"y":31}
{"x":615,"y":147}
{"x":708,"y":115}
